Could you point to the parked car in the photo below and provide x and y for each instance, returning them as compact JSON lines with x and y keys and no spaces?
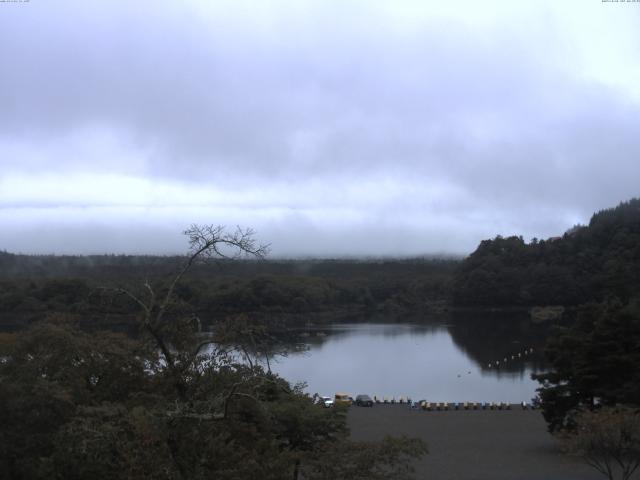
{"x":342,"y":398}
{"x":364,"y":401}
{"x":327,"y":401}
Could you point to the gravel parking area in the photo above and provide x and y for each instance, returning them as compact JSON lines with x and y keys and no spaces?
{"x":474,"y":444}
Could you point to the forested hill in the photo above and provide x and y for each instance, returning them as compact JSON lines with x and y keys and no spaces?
{"x":32,"y":286}
{"x":588,"y":263}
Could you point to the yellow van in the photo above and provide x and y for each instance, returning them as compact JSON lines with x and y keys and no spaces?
{"x":343,"y":399}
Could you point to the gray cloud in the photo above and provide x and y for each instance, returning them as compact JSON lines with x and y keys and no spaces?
{"x":334,"y":128}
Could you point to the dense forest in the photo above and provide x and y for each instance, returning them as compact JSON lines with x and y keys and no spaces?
{"x":172,"y":401}
{"x":588,"y":263}
{"x":102,"y":405}
{"x":156,"y":405}
{"x":593,"y":362}
{"x":31,"y":286}
{"x":589,"y":393}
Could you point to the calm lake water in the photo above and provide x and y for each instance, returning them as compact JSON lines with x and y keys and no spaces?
{"x":441,"y":362}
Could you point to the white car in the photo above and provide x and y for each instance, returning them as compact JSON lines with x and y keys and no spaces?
{"x":327,"y":401}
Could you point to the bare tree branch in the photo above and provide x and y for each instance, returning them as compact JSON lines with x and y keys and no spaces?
{"x":205,"y":242}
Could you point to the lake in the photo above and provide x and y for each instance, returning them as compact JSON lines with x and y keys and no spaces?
{"x":452,"y":362}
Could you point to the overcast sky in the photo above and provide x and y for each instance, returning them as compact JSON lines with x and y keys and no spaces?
{"x":331,"y":127}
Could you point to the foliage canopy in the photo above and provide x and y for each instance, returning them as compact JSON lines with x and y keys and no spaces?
{"x":594,"y":362}
{"x":78,"y":404}
{"x":588,"y":263}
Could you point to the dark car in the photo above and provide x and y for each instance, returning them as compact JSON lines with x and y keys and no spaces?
{"x":364,"y":401}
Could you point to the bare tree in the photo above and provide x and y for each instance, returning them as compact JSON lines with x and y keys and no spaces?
{"x":255,"y":341}
{"x":206,"y":243}
{"x":608,"y":440}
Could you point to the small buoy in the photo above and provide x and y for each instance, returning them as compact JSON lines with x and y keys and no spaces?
{"x":512,"y":357}
{"x":519,"y":354}
{"x":505,"y":359}
{"x":489,"y":365}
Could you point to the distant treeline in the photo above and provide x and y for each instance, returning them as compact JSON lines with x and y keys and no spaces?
{"x":588,"y":263}
{"x":31,"y":286}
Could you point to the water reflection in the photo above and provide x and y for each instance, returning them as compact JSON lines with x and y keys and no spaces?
{"x":493,"y":337}
{"x":445,"y":361}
